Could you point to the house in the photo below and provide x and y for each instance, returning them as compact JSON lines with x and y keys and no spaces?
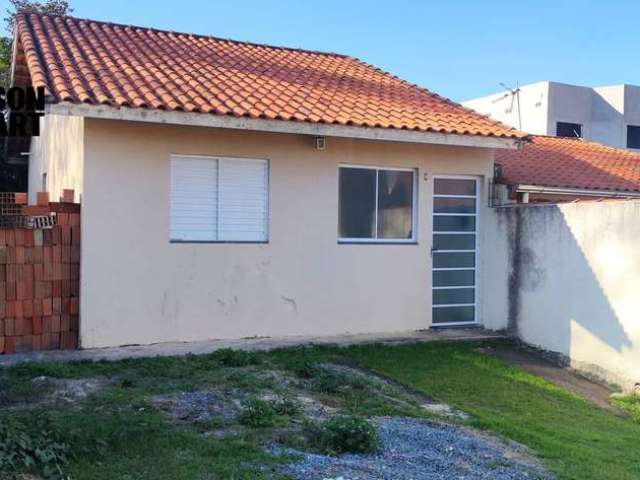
{"x":609,"y":115}
{"x":553,"y":169}
{"x":231,"y":189}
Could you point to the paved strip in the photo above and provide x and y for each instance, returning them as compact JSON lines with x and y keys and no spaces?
{"x":268,"y":343}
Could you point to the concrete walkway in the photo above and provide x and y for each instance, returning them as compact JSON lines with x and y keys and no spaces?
{"x":208,"y":346}
{"x":563,"y":377}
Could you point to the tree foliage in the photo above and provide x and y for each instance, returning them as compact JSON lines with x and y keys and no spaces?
{"x":5,"y":61}
{"x":13,"y":177}
{"x":54,"y":7}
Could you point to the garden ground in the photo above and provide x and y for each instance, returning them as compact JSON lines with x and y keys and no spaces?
{"x":233,"y":414}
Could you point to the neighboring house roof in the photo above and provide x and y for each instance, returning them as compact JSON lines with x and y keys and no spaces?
{"x":570,"y":163}
{"x":99,"y":63}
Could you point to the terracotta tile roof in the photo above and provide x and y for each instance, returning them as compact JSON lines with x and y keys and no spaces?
{"x":85,"y":61}
{"x":571,"y":163}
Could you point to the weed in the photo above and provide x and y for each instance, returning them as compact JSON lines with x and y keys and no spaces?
{"x":258,"y":413}
{"x":305,"y":369}
{"x":127,"y":381}
{"x":345,"y":434}
{"x":34,"y":445}
{"x":328,"y":381}
{"x":287,"y":406}
{"x":249,"y":381}
{"x":630,"y":404}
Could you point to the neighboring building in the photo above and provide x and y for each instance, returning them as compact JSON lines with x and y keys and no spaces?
{"x":609,"y":115}
{"x":232,"y":190}
{"x":551,"y":169}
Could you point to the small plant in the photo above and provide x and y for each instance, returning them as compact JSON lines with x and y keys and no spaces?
{"x":305,"y":369}
{"x":236,"y":358}
{"x":244,"y":379}
{"x":36,"y":446}
{"x":258,"y":413}
{"x":286,"y":406}
{"x":346,"y":434}
{"x":629,"y":404}
{"x":127,"y":381}
{"x":326,"y":381}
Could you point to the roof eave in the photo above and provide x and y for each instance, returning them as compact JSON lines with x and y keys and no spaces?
{"x":278,"y":126}
{"x":527,"y":188}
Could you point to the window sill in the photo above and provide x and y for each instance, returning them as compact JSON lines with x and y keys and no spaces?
{"x":259,"y":242}
{"x":377,"y":242}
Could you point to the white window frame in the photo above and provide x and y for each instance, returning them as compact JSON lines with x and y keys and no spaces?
{"x":414,"y":207}
{"x":218,"y":158}
{"x":477,"y":215}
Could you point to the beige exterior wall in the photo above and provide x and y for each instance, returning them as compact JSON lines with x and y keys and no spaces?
{"x":58,"y":152}
{"x":571,"y":273}
{"x":139,"y":288}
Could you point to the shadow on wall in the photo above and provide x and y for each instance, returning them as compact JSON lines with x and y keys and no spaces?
{"x":556,"y":299}
{"x":607,"y":122}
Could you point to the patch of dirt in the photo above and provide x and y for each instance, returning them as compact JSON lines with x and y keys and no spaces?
{"x":314,"y":409}
{"x":562,"y":377}
{"x":200,"y":405}
{"x":425,"y":402}
{"x":69,"y":389}
{"x":224,"y":406}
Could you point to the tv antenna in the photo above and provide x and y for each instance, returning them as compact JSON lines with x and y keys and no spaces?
{"x":514,"y":95}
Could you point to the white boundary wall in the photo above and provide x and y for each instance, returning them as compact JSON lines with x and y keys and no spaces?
{"x":572,"y":277}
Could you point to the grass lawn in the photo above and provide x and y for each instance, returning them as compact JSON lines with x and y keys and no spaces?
{"x":573,"y":437}
{"x":121,"y":432}
{"x":118,"y":434}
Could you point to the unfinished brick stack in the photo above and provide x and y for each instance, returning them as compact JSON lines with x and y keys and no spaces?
{"x":39,"y":273}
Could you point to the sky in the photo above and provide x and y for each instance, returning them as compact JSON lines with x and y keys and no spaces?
{"x":460,"y":49}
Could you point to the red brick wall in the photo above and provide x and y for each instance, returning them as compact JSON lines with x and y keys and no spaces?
{"x":39,"y":273}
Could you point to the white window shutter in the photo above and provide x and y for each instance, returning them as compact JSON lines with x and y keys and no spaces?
{"x":243,"y":209}
{"x":194,"y":198}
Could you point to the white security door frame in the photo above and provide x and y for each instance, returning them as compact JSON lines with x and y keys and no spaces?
{"x":454,"y":250}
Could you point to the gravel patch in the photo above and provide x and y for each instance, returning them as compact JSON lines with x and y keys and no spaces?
{"x":415,"y":449}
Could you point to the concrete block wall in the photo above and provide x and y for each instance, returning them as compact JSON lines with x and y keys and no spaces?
{"x":39,"y":273}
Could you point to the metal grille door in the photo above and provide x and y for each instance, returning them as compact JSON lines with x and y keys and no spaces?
{"x":454,"y":250}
